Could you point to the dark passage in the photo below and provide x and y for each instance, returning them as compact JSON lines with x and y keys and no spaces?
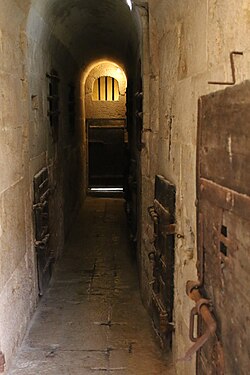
{"x":106,"y":148}
{"x":91,"y":320}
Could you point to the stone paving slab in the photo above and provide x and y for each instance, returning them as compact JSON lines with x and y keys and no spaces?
{"x":91,"y":320}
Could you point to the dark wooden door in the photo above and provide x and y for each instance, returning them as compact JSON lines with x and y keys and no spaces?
{"x":224,"y":227}
{"x":42,"y":235}
{"x":133,"y":168}
{"x":162,"y":255}
{"x":106,"y":152}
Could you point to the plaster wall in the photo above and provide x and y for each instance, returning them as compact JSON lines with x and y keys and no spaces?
{"x":189,"y":44}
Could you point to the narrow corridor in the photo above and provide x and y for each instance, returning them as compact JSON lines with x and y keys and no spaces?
{"x":91,"y":320}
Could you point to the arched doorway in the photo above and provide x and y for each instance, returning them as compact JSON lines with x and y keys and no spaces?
{"x":106,"y":131}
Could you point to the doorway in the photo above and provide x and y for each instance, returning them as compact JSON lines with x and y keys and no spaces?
{"x":106,"y":134}
{"x":106,"y":153}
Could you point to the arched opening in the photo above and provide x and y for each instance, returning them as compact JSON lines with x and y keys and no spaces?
{"x":106,"y":127}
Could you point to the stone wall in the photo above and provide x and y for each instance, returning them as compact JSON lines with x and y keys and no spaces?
{"x":29,"y":51}
{"x":17,"y":285}
{"x":189,"y":44}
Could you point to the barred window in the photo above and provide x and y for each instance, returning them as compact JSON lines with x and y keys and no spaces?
{"x":106,"y":89}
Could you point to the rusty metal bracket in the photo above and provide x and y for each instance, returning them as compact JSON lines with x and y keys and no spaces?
{"x":2,"y":362}
{"x":232,"y":69}
{"x":52,"y":76}
{"x":171,"y":230}
{"x":165,"y":325}
{"x":203,"y":309}
{"x":43,"y":243}
{"x":151,"y":256}
{"x":40,"y":206}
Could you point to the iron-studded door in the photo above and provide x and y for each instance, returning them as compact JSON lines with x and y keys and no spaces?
{"x":42,"y":235}
{"x":106,"y":152}
{"x":224,"y":227}
{"x":163,"y":215}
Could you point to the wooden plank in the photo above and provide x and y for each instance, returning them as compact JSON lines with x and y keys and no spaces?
{"x":224,"y":150}
{"x":225,"y":198}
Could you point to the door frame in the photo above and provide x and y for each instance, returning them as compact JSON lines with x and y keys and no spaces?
{"x":94,"y":122}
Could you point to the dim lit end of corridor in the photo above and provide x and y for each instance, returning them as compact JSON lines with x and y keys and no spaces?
{"x":91,"y":319}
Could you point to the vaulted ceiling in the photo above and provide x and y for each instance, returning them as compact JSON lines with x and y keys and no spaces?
{"x":92,"y":29}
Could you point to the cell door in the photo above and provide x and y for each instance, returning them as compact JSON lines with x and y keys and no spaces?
{"x":45,"y":256}
{"x":162,"y":256}
{"x":106,"y":152}
{"x":223,"y":161}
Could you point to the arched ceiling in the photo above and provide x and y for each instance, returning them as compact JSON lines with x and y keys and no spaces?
{"x":92,"y":29}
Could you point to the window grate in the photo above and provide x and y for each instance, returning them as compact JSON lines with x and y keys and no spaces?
{"x":106,"y":89}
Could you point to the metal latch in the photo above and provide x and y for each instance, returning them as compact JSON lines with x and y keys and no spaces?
{"x":202,"y":308}
{"x":170,"y":229}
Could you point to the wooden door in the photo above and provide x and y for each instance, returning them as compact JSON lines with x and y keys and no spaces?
{"x":162,"y":255}
{"x":223,"y":186}
{"x":106,"y":152}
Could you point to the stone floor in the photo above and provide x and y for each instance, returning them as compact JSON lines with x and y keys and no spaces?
{"x":91,"y":320}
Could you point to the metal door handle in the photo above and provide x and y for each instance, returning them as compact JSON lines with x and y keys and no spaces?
{"x":203,"y":309}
